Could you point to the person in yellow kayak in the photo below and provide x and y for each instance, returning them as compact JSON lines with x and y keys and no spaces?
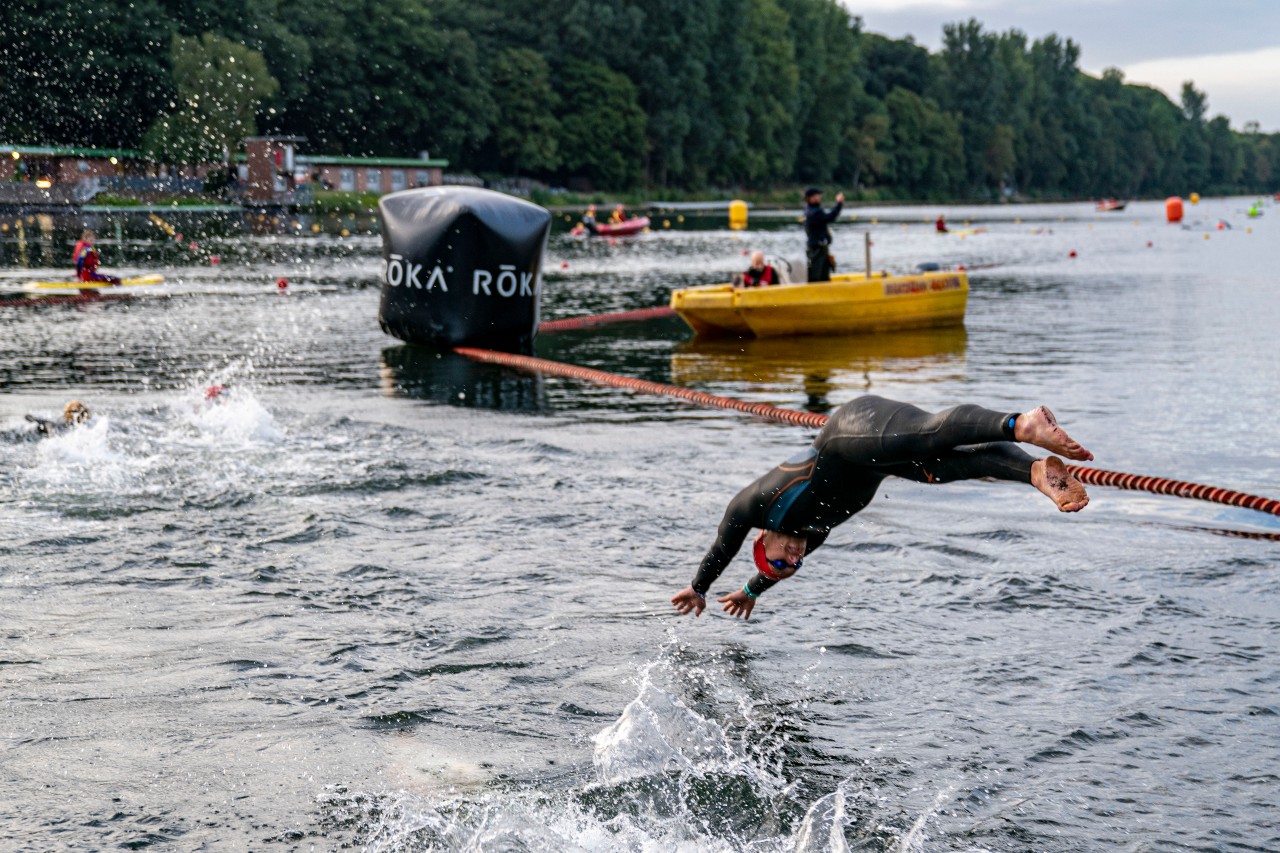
{"x":86,"y":259}
{"x":73,"y":414}
{"x":796,"y":505}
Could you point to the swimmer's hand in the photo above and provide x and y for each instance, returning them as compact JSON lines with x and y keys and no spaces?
{"x":687,"y":600}
{"x":739,"y":603}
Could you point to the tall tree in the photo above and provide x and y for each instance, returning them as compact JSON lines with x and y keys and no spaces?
{"x":82,"y":73}
{"x":602,"y":132}
{"x":526,"y":129}
{"x":220,"y":85}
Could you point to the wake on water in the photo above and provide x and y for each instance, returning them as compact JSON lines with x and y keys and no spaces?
{"x":664,"y":778}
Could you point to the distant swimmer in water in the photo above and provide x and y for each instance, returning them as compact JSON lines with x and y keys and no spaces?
{"x":216,"y":393}
{"x":866,"y":440}
{"x":73,"y":414}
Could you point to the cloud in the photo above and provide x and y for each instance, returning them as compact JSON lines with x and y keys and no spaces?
{"x":1240,"y":85}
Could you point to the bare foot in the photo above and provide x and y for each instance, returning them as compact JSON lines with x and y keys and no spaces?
{"x":1040,"y":427}
{"x":1051,"y":476}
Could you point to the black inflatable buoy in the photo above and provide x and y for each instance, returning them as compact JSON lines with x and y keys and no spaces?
{"x":461,"y":266}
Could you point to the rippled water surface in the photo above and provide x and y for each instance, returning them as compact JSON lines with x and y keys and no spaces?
{"x":387,"y":599}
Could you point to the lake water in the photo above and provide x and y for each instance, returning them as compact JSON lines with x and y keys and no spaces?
{"x":391,"y":600}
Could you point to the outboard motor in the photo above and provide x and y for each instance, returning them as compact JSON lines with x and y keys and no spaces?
{"x":461,"y":266}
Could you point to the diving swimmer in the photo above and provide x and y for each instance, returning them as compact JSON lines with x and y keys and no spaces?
{"x":73,"y":414}
{"x":796,"y":505}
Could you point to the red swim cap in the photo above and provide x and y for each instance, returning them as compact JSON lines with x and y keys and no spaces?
{"x":762,"y":563}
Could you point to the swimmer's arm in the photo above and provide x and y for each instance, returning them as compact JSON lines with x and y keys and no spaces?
{"x":734,"y":527}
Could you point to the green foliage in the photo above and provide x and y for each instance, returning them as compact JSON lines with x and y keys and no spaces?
{"x":603,"y":131}
{"x":526,"y":131}
{"x":664,"y":95}
{"x":219,"y":87}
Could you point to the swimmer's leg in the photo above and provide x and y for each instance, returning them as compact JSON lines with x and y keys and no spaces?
{"x":877,"y":431}
{"x":1040,"y":427}
{"x":1051,"y":477}
{"x":1000,"y":461}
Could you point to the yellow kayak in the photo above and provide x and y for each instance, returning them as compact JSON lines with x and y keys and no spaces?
{"x":849,"y":304}
{"x":81,"y":286}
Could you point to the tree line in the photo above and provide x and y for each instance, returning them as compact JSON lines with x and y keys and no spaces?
{"x":617,"y":94}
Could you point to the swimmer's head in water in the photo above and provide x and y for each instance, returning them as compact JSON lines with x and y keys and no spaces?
{"x":75,"y":412}
{"x":778,"y":555}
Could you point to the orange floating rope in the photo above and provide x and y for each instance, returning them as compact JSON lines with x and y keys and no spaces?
{"x":1089,"y":476}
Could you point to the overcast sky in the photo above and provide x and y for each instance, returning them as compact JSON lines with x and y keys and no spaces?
{"x":1229,"y":48}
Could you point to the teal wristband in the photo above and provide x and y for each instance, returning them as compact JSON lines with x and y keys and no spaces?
{"x":747,"y":589}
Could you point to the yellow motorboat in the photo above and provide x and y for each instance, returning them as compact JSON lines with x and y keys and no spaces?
{"x":848,"y":304}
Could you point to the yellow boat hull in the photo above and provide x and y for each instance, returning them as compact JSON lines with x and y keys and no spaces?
{"x":846,"y":305}
{"x":81,"y":286}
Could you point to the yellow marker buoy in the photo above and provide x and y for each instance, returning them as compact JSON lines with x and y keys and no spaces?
{"x":666,"y":223}
{"x":737,"y":214}
{"x":315,"y":227}
{"x":346,"y":233}
{"x":1195,"y":198}
{"x":680,"y":218}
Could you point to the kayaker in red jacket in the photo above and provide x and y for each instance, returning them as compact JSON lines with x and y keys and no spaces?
{"x":86,"y":260}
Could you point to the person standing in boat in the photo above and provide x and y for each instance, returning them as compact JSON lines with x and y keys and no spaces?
{"x":759,"y":274}
{"x":796,"y":505}
{"x":817,"y":232}
{"x":85,"y":257}
{"x":619,"y":214}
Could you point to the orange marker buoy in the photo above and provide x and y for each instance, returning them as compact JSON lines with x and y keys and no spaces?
{"x":1173,"y":209}
{"x":282,"y":283}
{"x":1071,"y":254}
{"x":564,"y":265}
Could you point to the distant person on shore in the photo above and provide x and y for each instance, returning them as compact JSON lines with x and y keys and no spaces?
{"x":85,"y":257}
{"x":760,"y":273}
{"x":817,"y":232}
{"x":941,"y":224}
{"x":796,"y":505}
{"x":73,"y":414}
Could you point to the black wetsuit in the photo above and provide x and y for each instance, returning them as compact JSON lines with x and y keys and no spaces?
{"x":48,"y":427}
{"x":864,"y":441}
{"x":817,"y":231}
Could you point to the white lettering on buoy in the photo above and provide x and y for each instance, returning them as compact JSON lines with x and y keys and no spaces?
{"x":479,"y":280}
{"x":393,"y":270}
{"x":396,"y":271}
{"x":525,"y":289}
{"x":437,"y":277}
{"x":507,"y":280}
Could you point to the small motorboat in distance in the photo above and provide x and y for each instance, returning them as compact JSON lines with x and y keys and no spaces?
{"x":848,"y":304}
{"x":1109,"y":204}
{"x":615,"y":229}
